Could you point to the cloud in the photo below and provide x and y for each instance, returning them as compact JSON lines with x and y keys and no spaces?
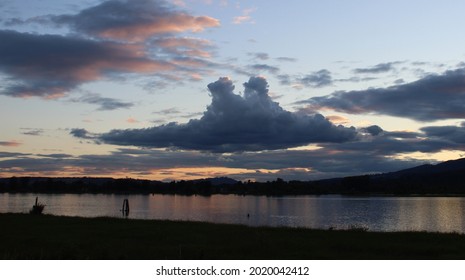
{"x":186,"y":46}
{"x":169,"y":111}
{"x":82,"y":133}
{"x":32,"y":131}
{"x":377,"y":69}
{"x":284,"y":79}
{"x":245,"y":17}
{"x":380,"y":143}
{"x":373,"y":151}
{"x":50,"y":65}
{"x":373,"y":130}
{"x":455,"y":134}
{"x":231,"y":123}
{"x":12,"y":155}
{"x":134,"y":20}
{"x":10,"y":143}
{"x":111,"y":38}
{"x":260,"y":55}
{"x":105,"y":103}
{"x":288,"y":164}
{"x":264,"y":67}
{"x":434,"y":97}
{"x":317,"y":79}
{"x":132,"y":120}
{"x":286,"y":59}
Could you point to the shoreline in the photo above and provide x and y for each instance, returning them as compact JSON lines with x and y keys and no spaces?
{"x":250,"y":194}
{"x":26,"y":236}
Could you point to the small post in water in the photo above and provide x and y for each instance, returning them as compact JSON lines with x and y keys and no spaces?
{"x":125,"y":208}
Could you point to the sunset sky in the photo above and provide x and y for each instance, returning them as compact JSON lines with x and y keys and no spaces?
{"x":186,"y":89}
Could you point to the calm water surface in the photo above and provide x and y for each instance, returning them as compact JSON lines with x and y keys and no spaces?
{"x":444,"y":214}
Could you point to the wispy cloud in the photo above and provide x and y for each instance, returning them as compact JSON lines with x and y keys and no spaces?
{"x":259,"y":55}
{"x":32,"y":131}
{"x":286,"y":59}
{"x":378,"y":68}
{"x":245,"y":17}
{"x":104,"y":103}
{"x":132,"y":120}
{"x":257,"y":68}
{"x":317,"y":79}
{"x":10,"y":143}
{"x":186,"y":46}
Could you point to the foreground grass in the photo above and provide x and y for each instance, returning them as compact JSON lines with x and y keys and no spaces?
{"x":25,"y":236}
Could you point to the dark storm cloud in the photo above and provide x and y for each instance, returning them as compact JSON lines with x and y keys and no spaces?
{"x":133,"y":20}
{"x":317,"y":79}
{"x":104,"y":103}
{"x":50,"y":65}
{"x":433,"y":97}
{"x":251,"y":122}
{"x":377,"y":69}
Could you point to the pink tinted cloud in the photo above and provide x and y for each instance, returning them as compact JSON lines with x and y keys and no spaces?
{"x":245,"y":17}
{"x":134,"y":21}
{"x":186,"y":46}
{"x":170,"y":24}
{"x":132,"y":120}
{"x":58,"y":64}
{"x":10,"y":143}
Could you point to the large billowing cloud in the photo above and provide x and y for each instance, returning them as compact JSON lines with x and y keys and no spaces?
{"x":433,"y":97}
{"x":134,"y":20}
{"x":232,"y":122}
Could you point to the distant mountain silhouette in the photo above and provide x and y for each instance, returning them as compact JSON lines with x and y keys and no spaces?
{"x":428,"y":169}
{"x":218,"y":181}
{"x":446,"y":178}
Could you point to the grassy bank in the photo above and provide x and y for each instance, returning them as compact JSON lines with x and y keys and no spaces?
{"x":25,"y":236}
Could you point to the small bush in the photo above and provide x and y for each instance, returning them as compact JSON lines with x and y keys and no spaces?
{"x":37,"y":209}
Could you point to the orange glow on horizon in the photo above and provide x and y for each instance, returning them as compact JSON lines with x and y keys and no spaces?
{"x":163,"y":174}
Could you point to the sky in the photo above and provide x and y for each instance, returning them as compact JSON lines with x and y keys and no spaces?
{"x":252,"y":90}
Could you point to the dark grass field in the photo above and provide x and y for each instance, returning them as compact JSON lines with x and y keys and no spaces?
{"x":24,"y":236}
